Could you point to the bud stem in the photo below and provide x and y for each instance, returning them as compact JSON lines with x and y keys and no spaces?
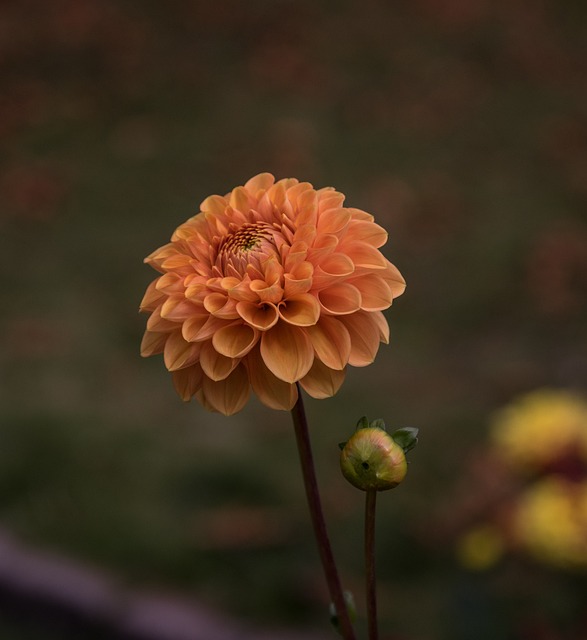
{"x":317,"y":516}
{"x":370,"y":580}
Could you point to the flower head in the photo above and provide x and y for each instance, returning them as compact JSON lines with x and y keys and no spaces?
{"x":272,"y":284}
{"x":551,"y":522}
{"x":542,"y":427}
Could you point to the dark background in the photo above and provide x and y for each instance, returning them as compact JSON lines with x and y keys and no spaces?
{"x":461,"y":124}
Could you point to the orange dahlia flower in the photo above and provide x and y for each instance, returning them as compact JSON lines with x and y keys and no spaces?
{"x":274,"y":283}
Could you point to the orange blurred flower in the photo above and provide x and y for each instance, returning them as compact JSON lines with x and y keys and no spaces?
{"x":272,"y":284}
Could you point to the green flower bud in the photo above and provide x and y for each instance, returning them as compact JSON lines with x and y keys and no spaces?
{"x":371,"y":459}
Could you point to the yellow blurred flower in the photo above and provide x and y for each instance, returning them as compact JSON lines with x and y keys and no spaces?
{"x":541,"y":427}
{"x":480,"y":548}
{"x":550,"y":522}
{"x":272,"y":284}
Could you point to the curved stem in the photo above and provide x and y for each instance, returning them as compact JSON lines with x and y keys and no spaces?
{"x":318,"y":523}
{"x":371,"y":587}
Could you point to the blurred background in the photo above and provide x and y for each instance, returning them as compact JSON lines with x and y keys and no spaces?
{"x":462,"y":125}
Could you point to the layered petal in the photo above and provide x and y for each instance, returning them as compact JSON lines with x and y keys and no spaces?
{"x":376,"y":294}
{"x":188,"y":381}
{"x":215,"y":365}
{"x":287,"y":352}
{"x":178,"y":353}
{"x":331,"y":341}
{"x":365,"y":338}
{"x":235,"y":340}
{"x":270,"y":390}
{"x":321,"y":382}
{"x":227,"y":396}
{"x":340,"y":299}
{"x":302,"y":310}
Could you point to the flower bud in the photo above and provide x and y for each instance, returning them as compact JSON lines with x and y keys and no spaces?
{"x":372,"y":460}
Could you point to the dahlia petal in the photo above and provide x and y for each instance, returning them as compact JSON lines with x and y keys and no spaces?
{"x":323,"y":245}
{"x":180,"y":263}
{"x":340,"y":299}
{"x":171,"y":283}
{"x":272,"y":271}
{"x":216,"y":205}
{"x":299,"y":280}
{"x":159,"y":256}
{"x":157,"y":323}
{"x":273,"y":293}
{"x":210,"y":327}
{"x":214,"y":301}
{"x":179,"y":353}
{"x":333,"y":267}
{"x":305,"y":233}
{"x":364,"y":255}
{"x":333,"y":220}
{"x":253,"y":272}
{"x":365,"y":338}
{"x":178,"y":309}
{"x":218,"y":222}
{"x":242,"y":291}
{"x":226,"y":396}
{"x":187,"y":382}
{"x":192,"y":327}
{"x":221,"y":306}
{"x":185,"y":231}
{"x":295,"y":190}
{"x":321,"y":382}
{"x":369,"y":232}
{"x":375,"y":292}
{"x":235,"y":341}
{"x":261,"y":181}
{"x":240,"y":199}
{"x":270,"y":390}
{"x":302,"y":310}
{"x":297,"y":253}
{"x":228,"y":283}
{"x":329,"y":199}
{"x":379,"y":319}
{"x":359,"y":214}
{"x":215,"y":284}
{"x":277,"y":193}
{"x":394,"y":279}
{"x":302,"y":270}
{"x":152,"y":298}
{"x":202,"y":398}
{"x":215,"y":365}
{"x":196,"y":292}
{"x":307,"y":205}
{"x":337,"y":264}
{"x":331,"y":341}
{"x":287,"y":351}
{"x":264,"y":208}
{"x":152,"y":343}
{"x":262,"y":316}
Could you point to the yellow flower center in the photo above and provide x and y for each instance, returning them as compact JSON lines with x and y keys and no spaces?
{"x":246,"y":238}
{"x":246,"y":245}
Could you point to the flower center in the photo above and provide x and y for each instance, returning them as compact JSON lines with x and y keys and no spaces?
{"x":246,"y":238}
{"x":246,"y":245}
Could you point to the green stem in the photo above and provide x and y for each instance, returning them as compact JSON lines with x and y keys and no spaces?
{"x":317,"y":516}
{"x":371,"y":587}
